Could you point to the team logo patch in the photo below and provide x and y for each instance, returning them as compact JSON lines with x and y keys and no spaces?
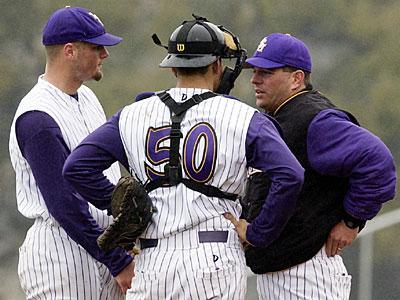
{"x":96,"y":18}
{"x":180,"y":47}
{"x":262,"y":45}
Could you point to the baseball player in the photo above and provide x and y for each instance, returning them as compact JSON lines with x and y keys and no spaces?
{"x":191,"y":147}
{"x":349,"y":174}
{"x":59,"y":258}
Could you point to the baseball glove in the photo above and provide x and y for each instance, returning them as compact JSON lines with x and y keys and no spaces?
{"x":256,"y":191}
{"x":132,"y":209}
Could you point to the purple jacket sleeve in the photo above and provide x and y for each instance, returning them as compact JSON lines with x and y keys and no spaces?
{"x":337,"y":147}
{"x":42,"y":145}
{"x":266,"y":151}
{"x":96,"y":153}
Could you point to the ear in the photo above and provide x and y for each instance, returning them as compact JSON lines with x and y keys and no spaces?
{"x":69,"y":50}
{"x":174,"y":71}
{"x":217,"y":66}
{"x":298,"y":79}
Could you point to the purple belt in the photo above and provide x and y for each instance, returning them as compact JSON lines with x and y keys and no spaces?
{"x":204,"y":237}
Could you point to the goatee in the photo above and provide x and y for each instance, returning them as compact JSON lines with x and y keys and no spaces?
{"x":98,"y":76}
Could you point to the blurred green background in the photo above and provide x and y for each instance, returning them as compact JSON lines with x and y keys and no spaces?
{"x":354,"y":45}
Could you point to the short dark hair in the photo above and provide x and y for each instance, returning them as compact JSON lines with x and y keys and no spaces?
{"x":192,"y":71}
{"x":52,"y":52}
{"x":307,"y":75}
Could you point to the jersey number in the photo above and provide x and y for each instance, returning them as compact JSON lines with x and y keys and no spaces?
{"x":199,"y":151}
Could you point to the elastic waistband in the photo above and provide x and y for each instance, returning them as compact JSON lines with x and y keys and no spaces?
{"x":204,"y":237}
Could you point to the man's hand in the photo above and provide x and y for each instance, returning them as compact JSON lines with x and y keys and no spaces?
{"x":240,"y":226}
{"x":339,"y":237}
{"x":124,"y":278}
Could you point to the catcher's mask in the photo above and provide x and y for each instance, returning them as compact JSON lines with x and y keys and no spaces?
{"x":199,"y":43}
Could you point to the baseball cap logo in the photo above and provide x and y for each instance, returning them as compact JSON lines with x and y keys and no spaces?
{"x":262,"y":45}
{"x":96,"y":18}
{"x":180,"y":47}
{"x":278,"y":50}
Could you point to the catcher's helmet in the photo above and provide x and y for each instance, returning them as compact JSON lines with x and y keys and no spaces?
{"x":197,"y":43}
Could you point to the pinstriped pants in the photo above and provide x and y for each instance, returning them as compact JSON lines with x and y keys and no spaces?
{"x":52,"y":266}
{"x":320,"y":278}
{"x":202,"y":271}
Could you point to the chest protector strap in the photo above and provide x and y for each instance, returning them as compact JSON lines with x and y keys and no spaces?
{"x":173,"y":169}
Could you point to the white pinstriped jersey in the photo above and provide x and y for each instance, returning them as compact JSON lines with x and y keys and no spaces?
{"x":212,"y":151}
{"x":51,"y":265}
{"x":76,"y":120}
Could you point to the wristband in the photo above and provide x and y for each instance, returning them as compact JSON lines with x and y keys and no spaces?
{"x":352,"y":222}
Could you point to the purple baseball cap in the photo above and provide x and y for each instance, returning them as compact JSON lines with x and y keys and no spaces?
{"x":279,"y":50}
{"x":76,"y":24}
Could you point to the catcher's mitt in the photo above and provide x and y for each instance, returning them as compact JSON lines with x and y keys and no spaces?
{"x":256,"y":191}
{"x":132,"y":209}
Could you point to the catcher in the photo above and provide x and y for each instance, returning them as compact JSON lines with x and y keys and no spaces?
{"x":190,"y":145}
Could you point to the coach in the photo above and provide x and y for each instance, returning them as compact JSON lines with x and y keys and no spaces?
{"x":349,"y":174}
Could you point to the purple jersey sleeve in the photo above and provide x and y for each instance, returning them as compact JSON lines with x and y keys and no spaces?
{"x":96,"y":153}
{"x":337,"y":147}
{"x":266,"y":151}
{"x":41,"y":143}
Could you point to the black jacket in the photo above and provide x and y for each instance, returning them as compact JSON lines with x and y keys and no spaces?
{"x":320,"y":203}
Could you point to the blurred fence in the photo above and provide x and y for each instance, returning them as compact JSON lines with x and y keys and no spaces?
{"x":366,"y":271}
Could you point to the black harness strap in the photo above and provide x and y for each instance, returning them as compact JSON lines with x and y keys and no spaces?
{"x":183,"y":33}
{"x":173,"y":170}
{"x":208,"y":190}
